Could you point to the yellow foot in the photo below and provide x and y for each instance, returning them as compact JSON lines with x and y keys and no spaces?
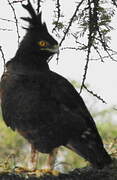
{"x":22,"y":170}
{"x":36,"y":172}
{"x":41,"y":172}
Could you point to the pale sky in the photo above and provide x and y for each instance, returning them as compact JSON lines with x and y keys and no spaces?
{"x":102,"y":77}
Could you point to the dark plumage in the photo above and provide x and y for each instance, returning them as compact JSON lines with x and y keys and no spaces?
{"x":42,"y":105}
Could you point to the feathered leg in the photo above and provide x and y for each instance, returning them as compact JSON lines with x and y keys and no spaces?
{"x":34,"y":158}
{"x":32,"y":163}
{"x":52,"y":159}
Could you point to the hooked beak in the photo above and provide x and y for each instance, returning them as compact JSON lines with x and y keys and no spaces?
{"x":53,"y":49}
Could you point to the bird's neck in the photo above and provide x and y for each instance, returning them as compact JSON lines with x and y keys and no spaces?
{"x":28,"y":64}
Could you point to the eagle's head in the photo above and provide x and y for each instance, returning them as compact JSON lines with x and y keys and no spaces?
{"x":37,"y":40}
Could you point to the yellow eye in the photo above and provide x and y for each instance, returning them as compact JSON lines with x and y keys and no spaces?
{"x":42,"y":43}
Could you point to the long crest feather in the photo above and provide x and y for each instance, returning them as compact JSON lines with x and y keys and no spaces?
{"x":35,"y":20}
{"x":30,"y":9}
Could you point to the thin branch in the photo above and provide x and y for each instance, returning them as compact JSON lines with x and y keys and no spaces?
{"x":107,"y":51}
{"x":16,"y":21}
{"x":3,"y":57}
{"x":71,"y":21}
{"x":93,"y":28}
{"x":90,"y":41}
{"x":17,"y":1}
{"x":97,"y":96}
{"x":58,"y":14}
{"x":104,"y":57}
{"x":4,"y":29}
{"x":8,"y":20}
{"x":70,"y":48}
{"x":105,"y":46}
{"x":114,"y":3}
{"x":98,"y":52}
{"x":85,"y":69}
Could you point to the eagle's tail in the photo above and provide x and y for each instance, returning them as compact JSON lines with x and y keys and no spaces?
{"x":95,"y":154}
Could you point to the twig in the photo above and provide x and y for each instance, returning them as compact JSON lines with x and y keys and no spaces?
{"x":85,"y":69}
{"x":70,"y":23}
{"x":90,"y":41}
{"x":97,"y":96}
{"x":105,"y":46}
{"x":17,"y":1}
{"x":110,"y":56}
{"x":15,"y":17}
{"x":58,"y":14}
{"x":114,"y":3}
{"x":71,"y":48}
{"x":93,"y":29}
{"x":98,"y":52}
{"x":104,"y":57}
{"x":7,"y":20}
{"x":3,"y":57}
{"x":4,"y":29}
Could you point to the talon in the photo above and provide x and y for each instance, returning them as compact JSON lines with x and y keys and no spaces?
{"x":47,"y":171}
{"x":37,"y":172}
{"x":21,"y":170}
